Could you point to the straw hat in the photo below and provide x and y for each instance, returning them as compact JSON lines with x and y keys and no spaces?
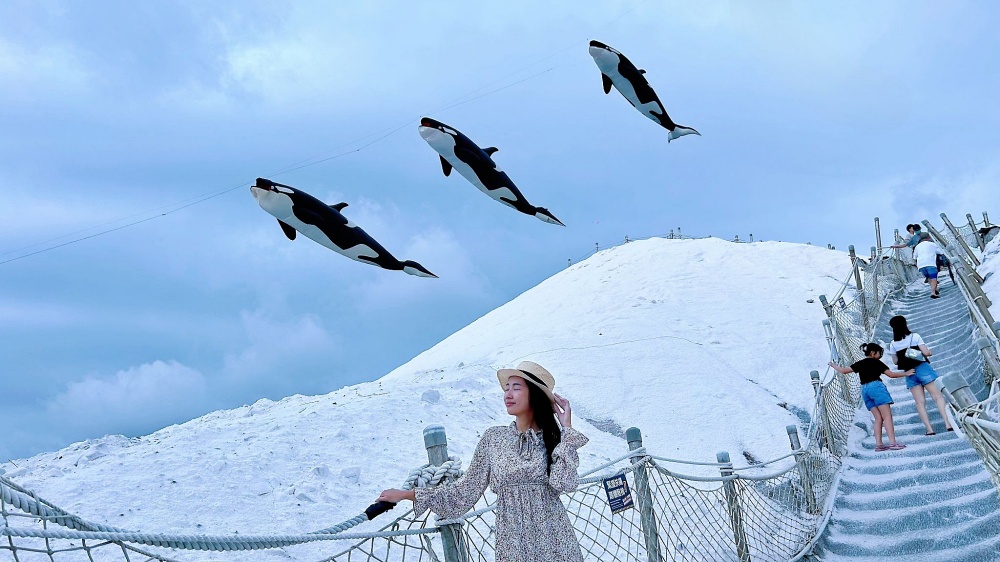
{"x":533,"y":373}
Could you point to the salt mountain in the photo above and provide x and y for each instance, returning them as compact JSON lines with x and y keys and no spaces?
{"x":705,"y":345}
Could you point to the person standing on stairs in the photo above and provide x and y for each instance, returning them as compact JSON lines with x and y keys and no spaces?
{"x":908,"y":351}
{"x":875,"y":394}
{"x":926,"y":253}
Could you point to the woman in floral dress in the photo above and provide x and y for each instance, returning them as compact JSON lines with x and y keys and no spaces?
{"x":527,"y":465}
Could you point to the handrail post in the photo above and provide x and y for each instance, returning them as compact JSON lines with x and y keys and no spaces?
{"x":961,"y":241}
{"x":976,"y":293}
{"x":878,"y":236}
{"x":436,"y":443}
{"x":986,"y":220}
{"x":959,"y":389}
{"x":735,"y":510}
{"x":824,"y":414}
{"x":876,"y":266}
{"x":989,"y":354}
{"x":647,"y":518}
{"x":802,"y":469}
{"x":861,"y":290}
{"x":975,"y":232}
{"x":831,"y":340}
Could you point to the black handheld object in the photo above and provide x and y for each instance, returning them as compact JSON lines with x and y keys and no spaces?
{"x":378,"y":508}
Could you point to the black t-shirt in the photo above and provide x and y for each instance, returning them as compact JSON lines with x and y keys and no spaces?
{"x":869,"y":369}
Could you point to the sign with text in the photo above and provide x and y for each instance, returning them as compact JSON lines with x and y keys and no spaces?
{"x":619,"y":496}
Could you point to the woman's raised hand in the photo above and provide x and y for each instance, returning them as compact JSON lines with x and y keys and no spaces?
{"x":563,"y":411}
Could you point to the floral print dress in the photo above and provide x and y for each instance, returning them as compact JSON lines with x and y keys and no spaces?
{"x":531,"y":521}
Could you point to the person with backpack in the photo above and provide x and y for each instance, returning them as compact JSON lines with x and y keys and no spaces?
{"x":926,"y":253}
{"x":874,"y":393}
{"x":908,"y":351}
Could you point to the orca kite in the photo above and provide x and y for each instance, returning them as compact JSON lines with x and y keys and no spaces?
{"x":476,"y":165}
{"x":298,"y":211}
{"x":618,"y":71}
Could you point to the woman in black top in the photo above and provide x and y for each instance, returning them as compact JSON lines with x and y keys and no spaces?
{"x":873,"y":391}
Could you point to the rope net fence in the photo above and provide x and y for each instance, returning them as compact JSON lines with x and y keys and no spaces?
{"x":684,"y":511}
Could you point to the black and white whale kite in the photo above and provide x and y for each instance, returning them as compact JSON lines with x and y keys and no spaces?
{"x":618,"y":71}
{"x":476,"y":165}
{"x":298,"y":211}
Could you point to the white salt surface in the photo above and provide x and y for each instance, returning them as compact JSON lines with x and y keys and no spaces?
{"x":705,"y":345}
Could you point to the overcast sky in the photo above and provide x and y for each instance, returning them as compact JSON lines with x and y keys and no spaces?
{"x":815,"y":119}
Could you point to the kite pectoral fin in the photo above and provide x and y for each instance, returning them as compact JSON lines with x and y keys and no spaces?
{"x":607,"y":83}
{"x":338,"y":207}
{"x":445,"y":166}
{"x":288,"y":230}
{"x":490,"y":150}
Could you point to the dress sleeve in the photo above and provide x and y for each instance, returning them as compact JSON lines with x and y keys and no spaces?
{"x":456,"y":498}
{"x":565,"y":460}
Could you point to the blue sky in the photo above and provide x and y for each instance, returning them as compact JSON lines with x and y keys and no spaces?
{"x":815,"y":118}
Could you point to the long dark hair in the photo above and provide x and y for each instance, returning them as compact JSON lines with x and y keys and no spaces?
{"x":899,"y":329}
{"x":545,"y":417}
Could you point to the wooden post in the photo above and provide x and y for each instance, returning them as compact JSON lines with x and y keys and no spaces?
{"x":976,"y":293}
{"x":802,"y":469}
{"x":647,"y":518}
{"x":959,"y":389}
{"x":436,"y":443}
{"x":975,"y":232}
{"x":878,"y":236}
{"x":735,"y":510}
{"x":826,"y":306}
{"x":989,"y":354}
{"x":961,"y":241}
{"x":875,"y":270}
{"x":831,"y":340}
{"x":824,"y":414}
{"x":861,"y":289}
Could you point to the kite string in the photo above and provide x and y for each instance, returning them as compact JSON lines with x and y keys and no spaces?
{"x":312,"y":161}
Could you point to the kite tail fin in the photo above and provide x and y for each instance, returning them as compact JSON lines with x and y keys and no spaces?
{"x":680,"y":131}
{"x":414,"y":268}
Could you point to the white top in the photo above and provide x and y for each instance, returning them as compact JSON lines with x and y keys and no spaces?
{"x":926,"y":253}
{"x":911,"y":340}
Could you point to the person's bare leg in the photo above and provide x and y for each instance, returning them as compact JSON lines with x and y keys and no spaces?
{"x":921,"y":403}
{"x":890,"y":429}
{"x":878,"y":425}
{"x":934,"y":286}
{"x":939,"y":400}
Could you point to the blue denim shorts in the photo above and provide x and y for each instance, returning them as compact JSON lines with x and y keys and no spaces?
{"x":875,"y":394}
{"x":924,"y":375}
{"x":929,"y":272}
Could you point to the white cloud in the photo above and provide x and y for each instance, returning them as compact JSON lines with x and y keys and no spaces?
{"x":277,"y":346}
{"x":52,"y":68}
{"x":139,"y":399}
{"x":439,"y":251}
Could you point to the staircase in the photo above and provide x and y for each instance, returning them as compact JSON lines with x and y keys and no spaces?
{"x":934,"y":500}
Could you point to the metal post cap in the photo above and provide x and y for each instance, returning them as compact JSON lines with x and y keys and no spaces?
{"x":826,"y":322}
{"x":814,"y":375}
{"x":792,"y":428}
{"x":633,"y":434}
{"x":722,"y":456}
{"x":983,"y":343}
{"x":434,"y":435}
{"x":954,"y":382}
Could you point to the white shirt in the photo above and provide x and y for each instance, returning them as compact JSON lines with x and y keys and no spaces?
{"x":912,"y":340}
{"x":926,"y":253}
